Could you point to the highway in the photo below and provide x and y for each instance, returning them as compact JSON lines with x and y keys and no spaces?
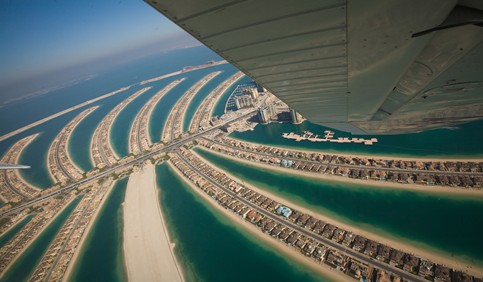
{"x":131,"y":163}
{"x":341,"y":248}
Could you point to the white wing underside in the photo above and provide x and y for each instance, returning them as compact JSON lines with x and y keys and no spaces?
{"x":351,"y":65}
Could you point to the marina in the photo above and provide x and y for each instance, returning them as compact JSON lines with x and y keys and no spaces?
{"x":328,"y":137}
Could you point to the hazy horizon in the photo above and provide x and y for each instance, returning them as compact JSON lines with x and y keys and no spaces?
{"x":49,"y":43}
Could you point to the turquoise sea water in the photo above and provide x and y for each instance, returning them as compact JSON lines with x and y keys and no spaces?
{"x":463,"y":140}
{"x":407,"y":216}
{"x":101,"y":259}
{"x":435,"y":221}
{"x":11,"y":233}
{"x":26,"y":263}
{"x":212,"y":248}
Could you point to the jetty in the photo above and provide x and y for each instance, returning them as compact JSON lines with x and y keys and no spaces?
{"x":327,"y":137}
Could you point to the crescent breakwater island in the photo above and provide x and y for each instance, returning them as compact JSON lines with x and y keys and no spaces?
{"x":307,"y":237}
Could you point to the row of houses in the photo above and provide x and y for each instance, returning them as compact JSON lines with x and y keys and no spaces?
{"x":397,"y":176}
{"x":383,"y":253}
{"x":456,"y":166}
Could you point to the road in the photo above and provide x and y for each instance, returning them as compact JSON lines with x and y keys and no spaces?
{"x":58,"y":160}
{"x":12,"y":187}
{"x":109,"y":171}
{"x":341,"y":248}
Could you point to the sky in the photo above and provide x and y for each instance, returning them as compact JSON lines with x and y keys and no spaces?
{"x":39,"y":37}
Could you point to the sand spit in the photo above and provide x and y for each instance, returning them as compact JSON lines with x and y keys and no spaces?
{"x":148,"y":254}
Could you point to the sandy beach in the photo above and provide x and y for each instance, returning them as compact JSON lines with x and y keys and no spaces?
{"x":370,"y":156}
{"x":369,"y":182}
{"x":265,"y":239}
{"x":393,"y":242}
{"x":148,"y":253}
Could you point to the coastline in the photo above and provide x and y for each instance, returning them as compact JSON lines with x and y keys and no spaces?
{"x":252,"y":230}
{"x":362,"y":155}
{"x":148,"y":256}
{"x":81,"y":244}
{"x":369,"y":182}
{"x":427,"y":253}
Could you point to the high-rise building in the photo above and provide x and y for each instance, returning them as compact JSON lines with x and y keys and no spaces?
{"x":273,"y":111}
{"x":264,"y":114}
{"x":296,"y":117}
{"x":259,"y":88}
{"x":252,"y":92}
{"x":243,"y":101}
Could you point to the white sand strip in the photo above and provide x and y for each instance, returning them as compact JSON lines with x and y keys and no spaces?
{"x":148,"y":254}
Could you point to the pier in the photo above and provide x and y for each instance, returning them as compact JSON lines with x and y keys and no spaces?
{"x":327,"y":137}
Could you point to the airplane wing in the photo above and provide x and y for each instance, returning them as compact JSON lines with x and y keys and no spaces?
{"x":361,"y":66}
{"x":13,"y":166}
